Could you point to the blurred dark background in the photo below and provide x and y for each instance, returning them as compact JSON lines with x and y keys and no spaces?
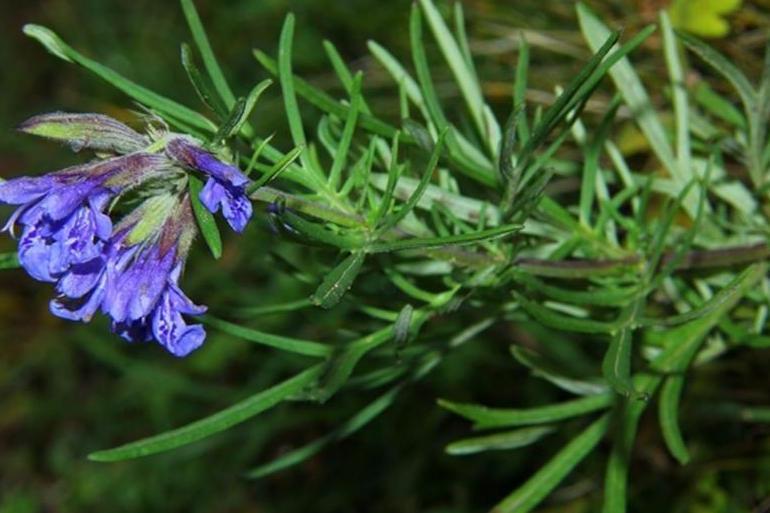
{"x":66,"y":389}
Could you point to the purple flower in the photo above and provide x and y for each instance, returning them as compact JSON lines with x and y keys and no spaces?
{"x":225,"y":187}
{"x":145,"y":302}
{"x":62,"y":213}
{"x":128,"y":270}
{"x":135,"y":280}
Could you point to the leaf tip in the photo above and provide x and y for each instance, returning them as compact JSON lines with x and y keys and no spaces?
{"x":48,"y":39}
{"x":99,"y":457}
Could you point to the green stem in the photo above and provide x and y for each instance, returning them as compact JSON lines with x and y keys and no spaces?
{"x":572,"y":268}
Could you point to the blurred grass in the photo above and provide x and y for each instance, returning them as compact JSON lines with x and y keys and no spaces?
{"x":66,"y":390}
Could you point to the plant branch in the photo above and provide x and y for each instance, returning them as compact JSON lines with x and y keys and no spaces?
{"x":571,"y":268}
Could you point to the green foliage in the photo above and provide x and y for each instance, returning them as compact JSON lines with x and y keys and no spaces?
{"x":206,"y":221}
{"x":416,"y":229}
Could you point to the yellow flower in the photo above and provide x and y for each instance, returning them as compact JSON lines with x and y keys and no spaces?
{"x":705,"y":18}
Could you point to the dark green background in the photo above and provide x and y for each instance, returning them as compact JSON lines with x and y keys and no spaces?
{"x":66,"y":390}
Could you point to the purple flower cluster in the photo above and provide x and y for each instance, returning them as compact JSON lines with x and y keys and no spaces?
{"x":128,"y":270}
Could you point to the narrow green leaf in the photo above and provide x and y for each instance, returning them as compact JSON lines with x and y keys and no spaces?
{"x":430,"y":98}
{"x":341,"y":155}
{"x":718,"y":105}
{"x":394,"y":174}
{"x":362,"y":175}
{"x":240,"y":112}
{"x":659,"y":237}
{"x":272,"y":308}
{"x":412,"y":290}
{"x":208,"y":97}
{"x":559,"y":377}
{"x":325,"y":102}
{"x":420,"y":134}
{"x":399,"y":75}
{"x":227,"y":128}
{"x":286,"y":78}
{"x":304,"y":205}
{"x":340,"y":366}
{"x":465,"y":208}
{"x":616,"y":365}
{"x":163,"y":105}
{"x":343,"y":73}
{"x":395,"y":218}
{"x":403,"y":102}
{"x":520,"y":89}
{"x":462,"y":152}
{"x":449,"y":240}
{"x":466,"y":79}
{"x":213,"y":424}
{"x":567,"y":101}
{"x":499,"y":441}
{"x":560,"y":321}
{"x":338,"y":281}
{"x":403,"y":325}
{"x":348,"y":428}
{"x":206,"y":221}
{"x":508,"y":148}
{"x":668,"y":415}
{"x":273,"y":173}
{"x":290,"y":345}
{"x":630,"y":86}
{"x":462,"y":38}
{"x":209,"y":59}
{"x":610,"y":296}
{"x":724,"y":67}
{"x":567,"y":108}
{"x":591,"y":167}
{"x":485,"y":417}
{"x":537,"y":487}
{"x":679,"y":93}
{"x":714,"y":304}
{"x":320,"y":233}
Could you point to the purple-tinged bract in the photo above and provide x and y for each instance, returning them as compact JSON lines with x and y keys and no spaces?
{"x":93,"y":131}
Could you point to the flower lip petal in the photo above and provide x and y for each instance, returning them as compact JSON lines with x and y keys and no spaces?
{"x":59,"y":203}
{"x":25,"y":189}
{"x":236,"y":207}
{"x":81,"y":278}
{"x":212,"y":195}
{"x":191,"y":339}
{"x":35,"y":254}
{"x":237,"y":211}
{"x":79,"y":309}
{"x":183,"y":303}
{"x":169,"y":327}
